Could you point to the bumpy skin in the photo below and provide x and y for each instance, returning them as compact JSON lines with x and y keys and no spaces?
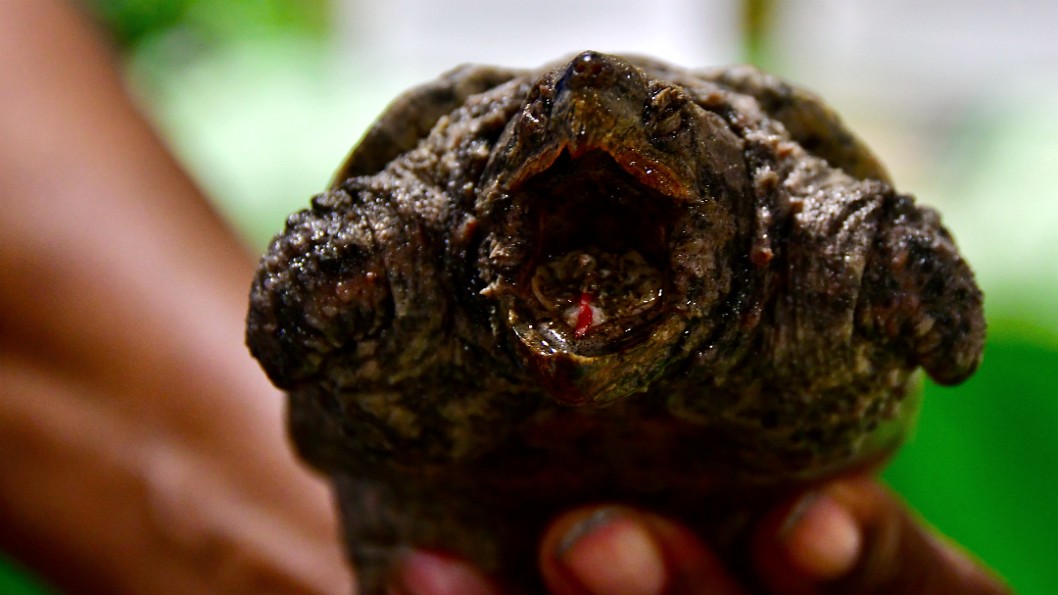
{"x":423,"y":313}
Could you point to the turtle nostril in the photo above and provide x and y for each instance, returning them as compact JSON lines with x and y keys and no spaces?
{"x":588,"y":69}
{"x":586,"y":62}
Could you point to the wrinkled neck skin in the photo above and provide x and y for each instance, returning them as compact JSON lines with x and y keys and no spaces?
{"x":611,"y":208}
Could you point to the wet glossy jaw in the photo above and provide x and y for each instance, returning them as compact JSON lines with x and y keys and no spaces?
{"x":595,"y":280}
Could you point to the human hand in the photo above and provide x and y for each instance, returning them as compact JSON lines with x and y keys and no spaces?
{"x":143,"y":449}
{"x":850,"y":536}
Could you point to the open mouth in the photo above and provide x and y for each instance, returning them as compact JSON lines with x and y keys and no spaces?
{"x":596,"y":276}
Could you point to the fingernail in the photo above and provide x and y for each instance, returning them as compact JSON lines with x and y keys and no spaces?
{"x":821,"y":538}
{"x":426,"y":573}
{"x":612,"y":553}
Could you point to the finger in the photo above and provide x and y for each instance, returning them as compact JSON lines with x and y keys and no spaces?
{"x":807,"y":543}
{"x":427,"y":573}
{"x":622,"y":551}
{"x":855,"y":536}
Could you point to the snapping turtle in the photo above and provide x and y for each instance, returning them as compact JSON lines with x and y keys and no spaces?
{"x":609,"y":279}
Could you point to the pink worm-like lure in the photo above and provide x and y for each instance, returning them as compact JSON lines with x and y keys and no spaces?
{"x":585,"y":317}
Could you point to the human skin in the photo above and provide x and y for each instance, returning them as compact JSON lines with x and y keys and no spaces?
{"x":122,"y":368}
{"x":850,"y":536}
{"x":144,"y":451}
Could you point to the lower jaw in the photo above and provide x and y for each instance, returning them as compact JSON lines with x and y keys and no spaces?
{"x":539,"y":328}
{"x":583,"y":373}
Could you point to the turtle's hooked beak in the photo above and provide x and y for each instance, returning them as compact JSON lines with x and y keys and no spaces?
{"x":605,"y":239}
{"x":584,"y":234}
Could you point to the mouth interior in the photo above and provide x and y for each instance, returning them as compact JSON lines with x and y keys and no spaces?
{"x":596,"y":278}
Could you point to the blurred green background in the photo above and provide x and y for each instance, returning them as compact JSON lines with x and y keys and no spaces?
{"x":262,"y":98}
